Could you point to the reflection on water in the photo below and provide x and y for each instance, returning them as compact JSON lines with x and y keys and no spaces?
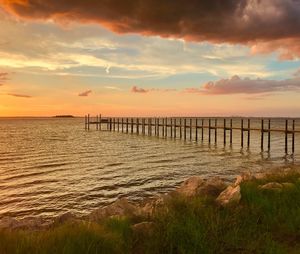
{"x":50,"y":166}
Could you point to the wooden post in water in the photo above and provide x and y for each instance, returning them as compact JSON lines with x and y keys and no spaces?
{"x":262,"y":135}
{"x":293,"y":137}
{"x":242,"y":132}
{"x":122,"y":124}
{"x":163,"y":127}
{"x":88,"y":122}
{"x":166,"y":132}
{"x":196,"y":130}
{"x":127,"y":125}
{"x":137,"y":125}
{"x":209,"y":130}
{"x":216,"y":130}
{"x":202,"y":129}
{"x":184,"y":129}
{"x":171,"y":127}
{"x":97,"y":122}
{"x":131,"y":127}
{"x":180,"y":128}
{"x":100,"y":122}
{"x":85,"y":122}
{"x":248,"y":138}
{"x":175,"y":127}
{"x":158,"y":123}
{"x":269,"y":135}
{"x":191,"y":127}
{"x":224,"y":133}
{"x":231,"y":132}
{"x":286,"y":137}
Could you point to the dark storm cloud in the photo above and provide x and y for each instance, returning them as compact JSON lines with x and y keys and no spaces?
{"x":233,"y":21}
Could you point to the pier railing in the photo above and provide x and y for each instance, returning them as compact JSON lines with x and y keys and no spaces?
{"x":193,"y":128}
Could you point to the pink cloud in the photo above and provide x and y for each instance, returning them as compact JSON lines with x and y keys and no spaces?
{"x":136,"y":89}
{"x":3,"y":77}
{"x":237,"y":85}
{"x":20,"y":95}
{"x":85,"y":93}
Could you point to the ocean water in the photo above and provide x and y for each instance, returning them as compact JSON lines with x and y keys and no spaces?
{"x":49,"y":166}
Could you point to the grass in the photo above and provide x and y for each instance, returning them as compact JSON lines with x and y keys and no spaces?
{"x":264,"y":222}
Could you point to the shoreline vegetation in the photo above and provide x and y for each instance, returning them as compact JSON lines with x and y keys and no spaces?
{"x":258,"y":213}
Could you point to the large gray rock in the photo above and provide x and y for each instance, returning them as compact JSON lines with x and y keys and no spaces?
{"x":197,"y":186}
{"x":66,"y":217}
{"x":271,"y":186}
{"x":212,"y":187}
{"x":120,"y":208}
{"x":32,"y":223}
{"x":149,"y":208}
{"x":231,"y":195}
{"x":8,"y":222}
{"x":190,"y":187}
{"x":244,"y":178}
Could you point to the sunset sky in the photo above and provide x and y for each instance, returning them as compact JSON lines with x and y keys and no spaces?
{"x":150,"y":57}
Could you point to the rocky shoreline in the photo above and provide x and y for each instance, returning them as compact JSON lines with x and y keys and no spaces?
{"x":215,"y":188}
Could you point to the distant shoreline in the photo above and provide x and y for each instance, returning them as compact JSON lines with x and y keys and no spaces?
{"x":64,"y":116}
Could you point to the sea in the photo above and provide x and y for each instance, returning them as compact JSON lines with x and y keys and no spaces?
{"x":50,"y":166}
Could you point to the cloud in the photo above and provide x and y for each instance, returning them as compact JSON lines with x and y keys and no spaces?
{"x":20,"y":95}
{"x":237,"y":85}
{"x":251,"y":22}
{"x":136,"y":89}
{"x":3,"y":77}
{"x":297,"y":73}
{"x":85,"y":93}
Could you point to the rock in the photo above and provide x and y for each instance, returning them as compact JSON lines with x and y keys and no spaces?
{"x":212,"y":187}
{"x":8,"y":222}
{"x":66,"y":217}
{"x":244,"y":178}
{"x":231,"y":195}
{"x":260,"y":176}
{"x":145,"y":227}
{"x":197,"y":186}
{"x":154,"y":205}
{"x":271,"y":186}
{"x":32,"y":223}
{"x":190,"y":187}
{"x":120,"y":208}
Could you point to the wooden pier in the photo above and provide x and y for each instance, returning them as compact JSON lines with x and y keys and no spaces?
{"x":193,"y":128}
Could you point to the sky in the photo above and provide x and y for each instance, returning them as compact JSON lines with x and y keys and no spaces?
{"x":150,"y":57}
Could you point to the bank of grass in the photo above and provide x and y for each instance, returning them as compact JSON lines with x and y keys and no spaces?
{"x":264,"y":222}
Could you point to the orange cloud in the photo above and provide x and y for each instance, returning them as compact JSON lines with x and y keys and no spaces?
{"x":261,"y":24}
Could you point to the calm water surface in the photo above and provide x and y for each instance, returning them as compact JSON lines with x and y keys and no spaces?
{"x":49,"y":166}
